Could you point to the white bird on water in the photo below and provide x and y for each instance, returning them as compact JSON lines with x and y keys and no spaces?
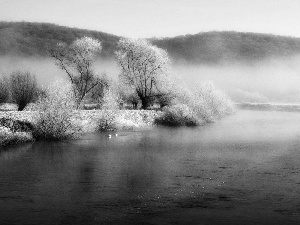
{"x":110,"y":136}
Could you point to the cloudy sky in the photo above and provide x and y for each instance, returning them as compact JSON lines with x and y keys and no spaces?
{"x":160,"y":18}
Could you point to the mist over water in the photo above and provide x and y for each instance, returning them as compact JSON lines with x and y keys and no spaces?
{"x":274,"y":80}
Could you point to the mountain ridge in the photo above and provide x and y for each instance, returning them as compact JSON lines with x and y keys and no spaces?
{"x":27,"y":39}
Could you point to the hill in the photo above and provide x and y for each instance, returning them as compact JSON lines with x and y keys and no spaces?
{"x":33,"y":39}
{"x":215,"y":47}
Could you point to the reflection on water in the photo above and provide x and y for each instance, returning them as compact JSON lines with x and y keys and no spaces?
{"x":13,"y":152}
{"x":142,"y":175}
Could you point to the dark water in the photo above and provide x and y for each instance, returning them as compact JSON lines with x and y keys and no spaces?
{"x":244,"y":169}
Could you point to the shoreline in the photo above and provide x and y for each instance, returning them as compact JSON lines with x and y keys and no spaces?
{"x":86,"y":120}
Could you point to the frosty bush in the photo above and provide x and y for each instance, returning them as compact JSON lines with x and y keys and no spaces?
{"x":130,"y":119}
{"x":8,"y":137}
{"x":110,"y":109}
{"x":209,"y":103}
{"x":194,"y":107}
{"x":178,"y":115}
{"x":110,"y":100}
{"x":55,"y":113}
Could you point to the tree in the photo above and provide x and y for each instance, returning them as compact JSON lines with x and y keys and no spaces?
{"x":97,"y":93}
{"x":133,"y":99}
{"x":4,"y":92}
{"x":144,"y":68}
{"x":128,"y":95}
{"x":76,"y":60}
{"x":23,"y":88}
{"x":165,"y":99}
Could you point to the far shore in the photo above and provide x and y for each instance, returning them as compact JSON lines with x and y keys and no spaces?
{"x":290,"y":107}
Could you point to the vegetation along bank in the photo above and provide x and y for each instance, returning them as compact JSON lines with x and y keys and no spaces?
{"x":145,"y":86}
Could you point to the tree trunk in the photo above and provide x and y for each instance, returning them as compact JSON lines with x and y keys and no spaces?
{"x":134,"y":105}
{"x":21,"y":106}
{"x":145,"y":102}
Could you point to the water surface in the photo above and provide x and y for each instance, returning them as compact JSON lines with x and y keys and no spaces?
{"x":244,"y":169}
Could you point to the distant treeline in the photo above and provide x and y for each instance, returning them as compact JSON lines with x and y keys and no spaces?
{"x":33,"y":39}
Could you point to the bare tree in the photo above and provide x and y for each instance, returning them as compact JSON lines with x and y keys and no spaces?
{"x":76,"y":60}
{"x":23,"y":88}
{"x":4,"y":91}
{"x":144,"y":68}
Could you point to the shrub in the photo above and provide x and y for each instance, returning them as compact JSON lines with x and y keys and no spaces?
{"x":110,"y":109}
{"x":23,"y":87}
{"x":12,"y":138}
{"x":4,"y":91}
{"x":16,"y":125}
{"x":178,"y":115}
{"x":203,"y":104}
{"x":208,"y":103}
{"x":110,"y":100}
{"x":55,"y":113}
{"x":130,"y":119}
{"x":107,"y":120}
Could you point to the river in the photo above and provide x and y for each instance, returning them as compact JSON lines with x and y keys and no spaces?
{"x":243,"y":169}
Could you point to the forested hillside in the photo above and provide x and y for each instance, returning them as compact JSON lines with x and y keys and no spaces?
{"x":34,"y":39}
{"x":213,"y":47}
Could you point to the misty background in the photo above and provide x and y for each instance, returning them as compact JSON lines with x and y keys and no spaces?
{"x":272,"y":81}
{"x":249,"y":67}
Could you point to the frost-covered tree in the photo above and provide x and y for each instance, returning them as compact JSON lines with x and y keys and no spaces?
{"x":144,"y":68}
{"x":76,"y":60}
{"x":97,"y":93}
{"x":128,"y":95}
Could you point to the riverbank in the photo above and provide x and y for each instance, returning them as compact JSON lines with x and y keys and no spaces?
{"x":86,"y":120}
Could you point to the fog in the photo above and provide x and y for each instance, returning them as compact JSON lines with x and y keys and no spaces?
{"x":276,"y":80}
{"x":46,"y":71}
{"x":273,"y":80}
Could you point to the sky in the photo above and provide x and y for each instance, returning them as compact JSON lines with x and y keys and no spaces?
{"x":160,"y":18}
